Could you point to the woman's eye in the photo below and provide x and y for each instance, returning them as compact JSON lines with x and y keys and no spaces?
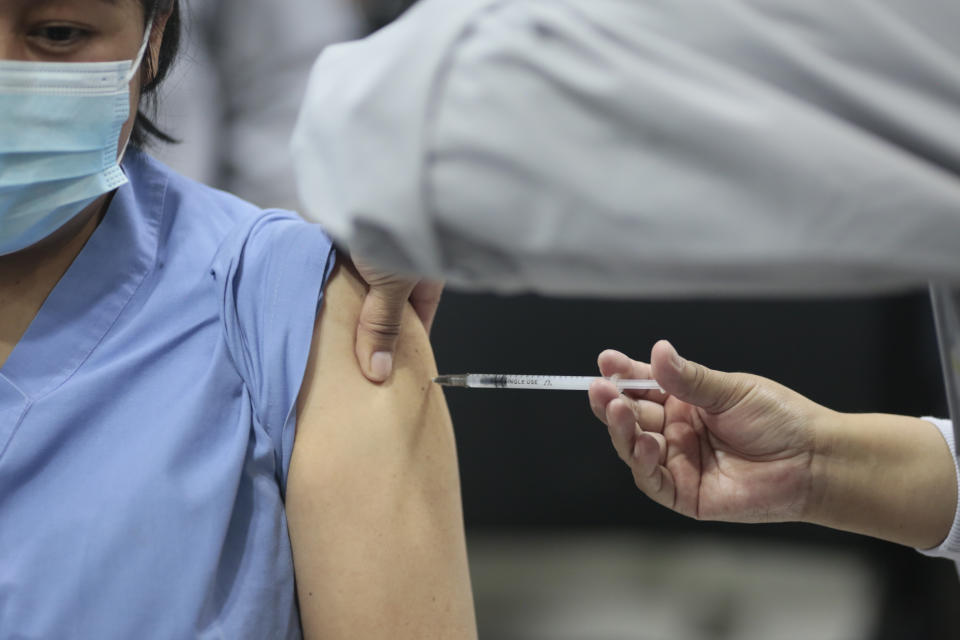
{"x":59,"y":35}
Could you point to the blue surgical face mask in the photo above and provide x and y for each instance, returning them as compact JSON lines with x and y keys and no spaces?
{"x":60,"y":127}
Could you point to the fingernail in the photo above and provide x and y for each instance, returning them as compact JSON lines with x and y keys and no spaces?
{"x":381,"y":364}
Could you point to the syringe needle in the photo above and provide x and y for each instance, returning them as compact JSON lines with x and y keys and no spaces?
{"x":451,"y":381}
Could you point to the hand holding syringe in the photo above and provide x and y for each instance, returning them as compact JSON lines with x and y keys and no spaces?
{"x":556,"y":383}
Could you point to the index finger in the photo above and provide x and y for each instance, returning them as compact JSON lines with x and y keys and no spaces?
{"x":425,"y":299}
{"x":614,"y":363}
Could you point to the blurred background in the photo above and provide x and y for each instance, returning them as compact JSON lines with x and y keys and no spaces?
{"x":562,"y":545}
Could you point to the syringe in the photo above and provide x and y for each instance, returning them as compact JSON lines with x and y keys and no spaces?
{"x":557,"y":383}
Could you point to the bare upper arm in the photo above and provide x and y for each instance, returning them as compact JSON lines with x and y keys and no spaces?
{"x":373,"y":494}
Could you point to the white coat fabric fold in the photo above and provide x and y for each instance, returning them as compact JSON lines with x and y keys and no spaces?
{"x":665,"y":147}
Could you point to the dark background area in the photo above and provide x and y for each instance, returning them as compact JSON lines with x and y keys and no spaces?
{"x":535,"y":460}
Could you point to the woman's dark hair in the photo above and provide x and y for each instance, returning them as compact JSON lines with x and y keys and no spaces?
{"x":144,"y":130}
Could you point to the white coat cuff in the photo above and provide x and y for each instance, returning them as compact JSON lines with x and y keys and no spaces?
{"x":950,"y":547}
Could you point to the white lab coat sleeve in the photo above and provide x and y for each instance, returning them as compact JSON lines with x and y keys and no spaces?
{"x":950,"y":547}
{"x":657,"y":147}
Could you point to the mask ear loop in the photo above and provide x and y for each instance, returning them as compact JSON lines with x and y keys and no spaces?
{"x":134,"y":67}
{"x":143,"y":49}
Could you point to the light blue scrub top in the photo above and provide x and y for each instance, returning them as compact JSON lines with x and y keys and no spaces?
{"x":147,"y":420}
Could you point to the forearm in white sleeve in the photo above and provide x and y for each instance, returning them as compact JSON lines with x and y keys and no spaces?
{"x":950,"y":547}
{"x":664,"y":147}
